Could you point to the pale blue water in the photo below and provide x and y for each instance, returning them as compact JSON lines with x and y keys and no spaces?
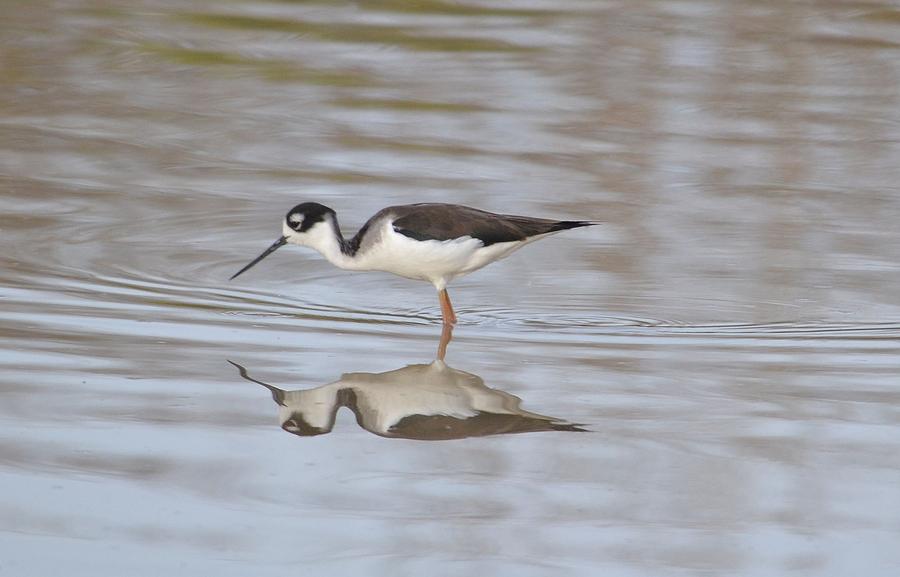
{"x":730,"y":336}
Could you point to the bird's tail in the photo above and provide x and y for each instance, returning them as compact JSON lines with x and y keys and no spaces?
{"x":567,"y":224}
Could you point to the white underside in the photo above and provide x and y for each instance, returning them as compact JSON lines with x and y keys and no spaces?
{"x":435,"y":261}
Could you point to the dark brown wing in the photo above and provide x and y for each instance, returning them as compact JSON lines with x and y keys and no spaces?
{"x":482,"y":424}
{"x":450,"y":221}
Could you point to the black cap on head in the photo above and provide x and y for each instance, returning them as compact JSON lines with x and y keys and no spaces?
{"x":303,"y":216}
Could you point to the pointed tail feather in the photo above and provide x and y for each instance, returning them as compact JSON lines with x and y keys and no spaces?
{"x":567,"y":224}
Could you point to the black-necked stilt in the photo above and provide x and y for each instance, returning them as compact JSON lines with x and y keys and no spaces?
{"x":430,"y":242}
{"x":431,"y":402}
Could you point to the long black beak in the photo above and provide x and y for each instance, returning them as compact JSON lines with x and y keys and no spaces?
{"x":275,"y":246}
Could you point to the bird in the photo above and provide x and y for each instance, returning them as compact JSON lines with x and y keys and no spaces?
{"x":432,"y":402}
{"x":431,"y":242}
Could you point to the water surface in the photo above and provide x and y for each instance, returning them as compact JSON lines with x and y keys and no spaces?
{"x":728,"y":339}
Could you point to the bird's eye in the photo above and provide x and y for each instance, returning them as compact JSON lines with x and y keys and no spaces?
{"x":295,"y":220}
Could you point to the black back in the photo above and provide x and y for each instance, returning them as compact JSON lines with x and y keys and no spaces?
{"x":450,"y":221}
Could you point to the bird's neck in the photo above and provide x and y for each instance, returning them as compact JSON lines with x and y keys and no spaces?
{"x":331,"y":244}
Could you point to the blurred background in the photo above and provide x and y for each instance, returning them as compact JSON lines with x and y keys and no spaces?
{"x":730,"y":336}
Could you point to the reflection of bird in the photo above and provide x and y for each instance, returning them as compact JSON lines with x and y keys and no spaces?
{"x":430,"y":242}
{"x":426,"y":402}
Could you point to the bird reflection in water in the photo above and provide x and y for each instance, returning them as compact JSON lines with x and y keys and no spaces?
{"x":429,"y":402}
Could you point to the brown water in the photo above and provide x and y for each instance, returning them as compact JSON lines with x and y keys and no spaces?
{"x":730,"y":337}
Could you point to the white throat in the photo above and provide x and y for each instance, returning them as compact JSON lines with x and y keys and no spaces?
{"x":325,"y":238}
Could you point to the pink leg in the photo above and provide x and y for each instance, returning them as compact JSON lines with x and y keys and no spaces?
{"x":446,"y":308}
{"x":446,"y":335}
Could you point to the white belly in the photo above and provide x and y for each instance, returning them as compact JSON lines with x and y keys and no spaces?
{"x":435,"y":261}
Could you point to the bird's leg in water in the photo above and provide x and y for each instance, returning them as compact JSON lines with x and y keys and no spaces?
{"x":446,"y":335}
{"x":446,"y":308}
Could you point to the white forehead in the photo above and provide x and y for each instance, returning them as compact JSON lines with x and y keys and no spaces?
{"x":296,"y":218}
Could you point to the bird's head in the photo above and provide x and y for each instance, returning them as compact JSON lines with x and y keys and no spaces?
{"x":307,"y":224}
